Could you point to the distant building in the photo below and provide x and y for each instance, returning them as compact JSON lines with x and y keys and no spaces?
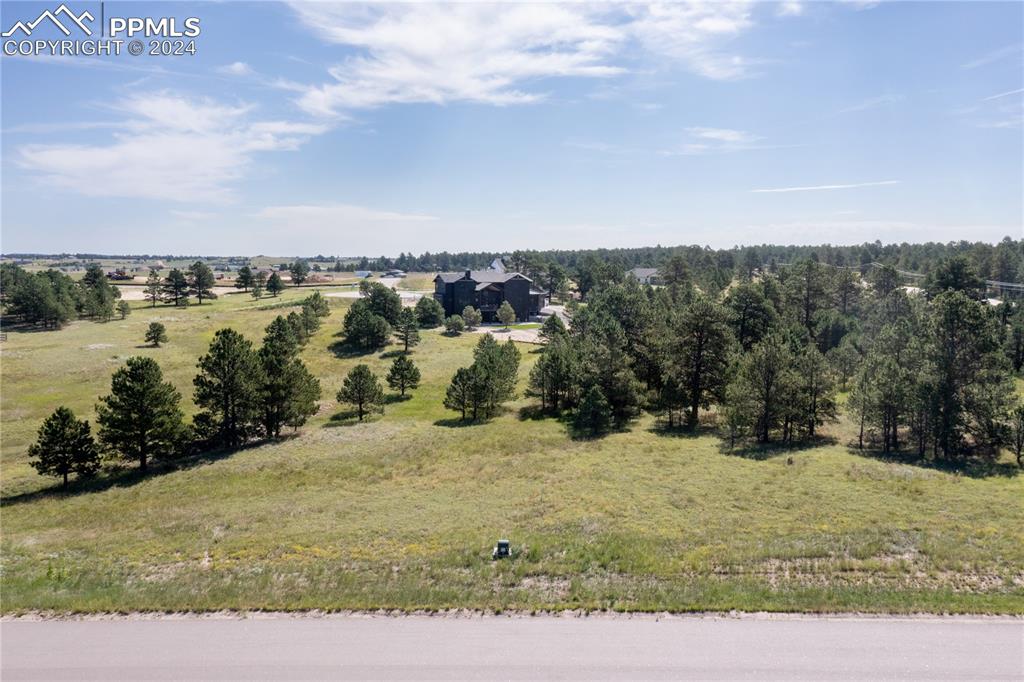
{"x":395,"y":273}
{"x":485,"y":290}
{"x":645,"y":275}
{"x":498,"y":265}
{"x":363,"y":273}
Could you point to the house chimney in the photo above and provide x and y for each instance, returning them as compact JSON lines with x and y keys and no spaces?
{"x":469,"y":274}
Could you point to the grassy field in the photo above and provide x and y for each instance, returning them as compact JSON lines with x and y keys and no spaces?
{"x":401,"y":511}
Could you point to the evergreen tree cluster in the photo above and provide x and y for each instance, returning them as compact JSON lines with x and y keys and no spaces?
{"x":243,"y":393}
{"x":927,"y":368}
{"x":476,"y":392}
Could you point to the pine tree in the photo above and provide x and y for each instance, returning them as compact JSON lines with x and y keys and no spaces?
{"x":844,"y":359}
{"x":97,"y":294}
{"x":403,"y":374}
{"x":228,"y":386}
{"x":124,"y":308}
{"x":594,"y":414}
{"x":506,"y":314}
{"x":815,"y":388}
{"x":702,"y":354}
{"x":317,"y":304}
{"x":156,"y":334}
{"x":454,"y":325}
{"x":201,"y":281}
{"x":154,"y":288}
{"x":244,"y":279}
{"x":299,"y":271}
{"x":140,"y":418}
{"x":289,"y":392}
{"x":429,"y":313}
{"x":1017,"y":433}
{"x":472,"y":317}
{"x":362,"y":389}
{"x":762,"y":389}
{"x":407,"y":329}
{"x":298,"y":326}
{"x":552,"y":328}
{"x":555,"y":376}
{"x":460,"y":393}
{"x":64,"y":446}
{"x":751,"y":313}
{"x":971,"y":373}
{"x":275,"y":285}
{"x":363,"y":328}
{"x":175,"y":288}
{"x":382,"y":301}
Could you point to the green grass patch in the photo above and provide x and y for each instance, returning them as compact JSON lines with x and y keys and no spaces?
{"x":401,"y":511}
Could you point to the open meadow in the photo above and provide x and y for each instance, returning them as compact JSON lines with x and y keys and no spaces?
{"x":402,"y":511}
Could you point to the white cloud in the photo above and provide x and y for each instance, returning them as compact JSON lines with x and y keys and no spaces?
{"x":722,"y":135}
{"x":790,"y":8}
{"x":693,"y":33}
{"x":872,"y":103}
{"x":167,"y":147}
{"x":703,"y":140}
{"x":993,"y":56}
{"x":817,"y":188}
{"x":860,"y":5}
{"x":452,"y":52}
{"x":236,"y":69}
{"x":496,"y":53}
{"x":1003,"y":94}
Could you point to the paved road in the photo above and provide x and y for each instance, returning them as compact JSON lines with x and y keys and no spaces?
{"x":427,"y":648}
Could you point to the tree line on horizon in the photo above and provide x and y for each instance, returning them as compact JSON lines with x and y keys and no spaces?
{"x":713,"y":269}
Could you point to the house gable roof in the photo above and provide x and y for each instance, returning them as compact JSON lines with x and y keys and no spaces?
{"x":643,"y":273}
{"x":480,"y":276}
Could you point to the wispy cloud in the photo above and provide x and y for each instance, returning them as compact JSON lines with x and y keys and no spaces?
{"x":702,"y":140}
{"x":1003,"y":94}
{"x":993,"y":56}
{"x":498,"y":53}
{"x":817,"y":188}
{"x":872,"y":103}
{"x":167,"y":146}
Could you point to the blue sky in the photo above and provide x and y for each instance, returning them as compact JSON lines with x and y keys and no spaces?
{"x":373,"y":129}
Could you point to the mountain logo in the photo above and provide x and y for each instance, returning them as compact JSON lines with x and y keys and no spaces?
{"x":77,"y":20}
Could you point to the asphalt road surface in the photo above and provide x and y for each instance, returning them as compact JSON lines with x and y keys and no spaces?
{"x":433,"y":648}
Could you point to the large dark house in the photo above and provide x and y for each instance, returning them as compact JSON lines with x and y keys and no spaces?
{"x":485,"y":290}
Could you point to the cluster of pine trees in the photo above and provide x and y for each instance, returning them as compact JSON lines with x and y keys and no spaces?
{"x":50,"y":298}
{"x":769,"y":354}
{"x":259,"y":282}
{"x":476,"y":392}
{"x":243,"y":393}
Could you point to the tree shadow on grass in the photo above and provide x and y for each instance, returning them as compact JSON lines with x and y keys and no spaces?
{"x":662,"y":428}
{"x":345,"y":350}
{"x":387,"y":355}
{"x":125,"y":475}
{"x":536,"y":413}
{"x":762,"y":451}
{"x":351,"y":418}
{"x":972,"y":467}
{"x":392,"y":398}
{"x":458,"y":422}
